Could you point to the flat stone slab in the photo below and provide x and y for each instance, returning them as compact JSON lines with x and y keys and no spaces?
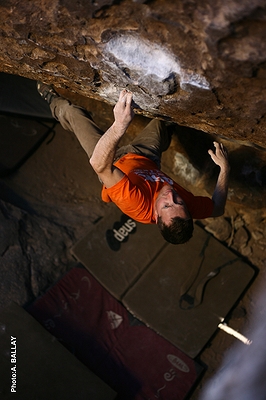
{"x":188,"y":289}
{"x":118,"y":250}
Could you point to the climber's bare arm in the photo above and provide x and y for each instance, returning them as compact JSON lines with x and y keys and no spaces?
{"x":220,"y":158}
{"x":103,"y":156}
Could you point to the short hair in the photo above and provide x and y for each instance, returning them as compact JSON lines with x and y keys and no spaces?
{"x":179,"y":231}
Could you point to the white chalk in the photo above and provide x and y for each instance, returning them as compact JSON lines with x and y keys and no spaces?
{"x":145,"y":59}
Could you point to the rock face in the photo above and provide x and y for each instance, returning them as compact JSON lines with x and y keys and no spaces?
{"x":201,"y":64}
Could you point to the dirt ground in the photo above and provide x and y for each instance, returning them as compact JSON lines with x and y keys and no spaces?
{"x":53,"y":199}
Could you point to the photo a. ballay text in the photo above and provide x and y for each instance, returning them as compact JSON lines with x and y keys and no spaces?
{"x":13,"y":361}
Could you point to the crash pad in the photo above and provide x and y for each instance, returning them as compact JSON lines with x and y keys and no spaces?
{"x":131,"y":358}
{"x":188,"y":289}
{"x":19,"y":96}
{"x":117,"y":250}
{"x":19,"y":138}
{"x":34,"y":365}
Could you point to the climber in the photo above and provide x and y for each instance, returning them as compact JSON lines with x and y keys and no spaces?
{"x":131,"y":175}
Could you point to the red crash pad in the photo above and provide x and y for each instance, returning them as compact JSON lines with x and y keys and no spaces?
{"x":131,"y":358}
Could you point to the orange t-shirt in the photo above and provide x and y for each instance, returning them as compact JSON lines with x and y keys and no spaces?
{"x":137,"y":191}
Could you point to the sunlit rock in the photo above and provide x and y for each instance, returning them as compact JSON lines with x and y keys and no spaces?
{"x":201,"y":65}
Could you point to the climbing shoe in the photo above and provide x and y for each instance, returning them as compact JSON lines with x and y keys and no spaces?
{"x":46,"y":91}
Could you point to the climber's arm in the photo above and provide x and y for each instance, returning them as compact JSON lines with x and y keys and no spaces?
{"x":103,"y":156}
{"x":220,"y":158}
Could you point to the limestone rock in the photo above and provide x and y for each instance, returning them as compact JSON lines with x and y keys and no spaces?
{"x":199,"y":64}
{"x":220,"y":228}
{"x":241,"y":238}
{"x":257,"y":235}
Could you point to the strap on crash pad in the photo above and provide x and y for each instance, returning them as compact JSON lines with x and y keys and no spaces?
{"x":192,"y":298}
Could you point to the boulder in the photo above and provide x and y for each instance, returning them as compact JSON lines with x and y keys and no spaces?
{"x":198,"y":64}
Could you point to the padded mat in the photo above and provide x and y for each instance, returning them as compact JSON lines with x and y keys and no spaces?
{"x":19,"y":95}
{"x":19,"y":138}
{"x":187,"y":289}
{"x":131,"y":358}
{"x":117,"y":250}
{"x":40,"y":367}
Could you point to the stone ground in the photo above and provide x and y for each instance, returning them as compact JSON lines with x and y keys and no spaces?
{"x":54,"y":198}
